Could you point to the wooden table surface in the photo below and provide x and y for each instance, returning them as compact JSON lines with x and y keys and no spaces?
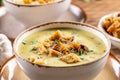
{"x":96,"y":9}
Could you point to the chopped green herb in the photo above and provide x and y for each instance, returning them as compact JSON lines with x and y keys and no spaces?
{"x":28,"y":58}
{"x":23,"y":43}
{"x":81,"y":52}
{"x":33,"y":49}
{"x":104,"y":50}
{"x":90,"y":51}
{"x":56,"y":41}
{"x":91,"y":37}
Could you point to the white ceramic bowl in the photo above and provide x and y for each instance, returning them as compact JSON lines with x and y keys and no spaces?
{"x":115,"y":41}
{"x":85,"y":71}
{"x":33,"y":14}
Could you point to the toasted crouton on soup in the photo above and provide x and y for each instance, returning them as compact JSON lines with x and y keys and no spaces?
{"x":70,"y":58}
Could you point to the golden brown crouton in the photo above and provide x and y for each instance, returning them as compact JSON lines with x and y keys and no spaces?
{"x":70,"y":58}
{"x":54,"y":53}
{"x":106,"y":24}
{"x":39,"y":61}
{"x":36,"y":59}
{"x":56,"y":36}
{"x":67,"y":39}
{"x":117,"y":33}
{"x":32,"y":58}
{"x":75,"y":46}
{"x":61,"y":48}
{"x":109,"y":19}
{"x":85,"y":48}
{"x":41,"y":49}
{"x":45,"y":1}
{"x":41,"y":1}
{"x":114,"y":26}
{"x":48,"y":44}
{"x":27,"y":1}
{"x":116,"y":19}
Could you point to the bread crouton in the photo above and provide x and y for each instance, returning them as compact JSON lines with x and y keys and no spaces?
{"x":48,"y":44}
{"x":61,"y":48}
{"x":41,"y":49}
{"x":75,"y":46}
{"x":70,"y":58}
{"x":57,"y":35}
{"x":27,"y":1}
{"x":106,"y":24}
{"x":67,"y":39}
{"x":85,"y":48}
{"x":41,"y":1}
{"x":114,"y":26}
{"x":116,"y":19}
{"x":36,"y":59}
{"x":117,"y":33}
{"x":39,"y":61}
{"x":54,"y":53}
{"x":32,"y":58}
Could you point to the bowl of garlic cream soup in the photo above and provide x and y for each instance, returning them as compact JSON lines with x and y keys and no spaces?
{"x":34,"y":2}
{"x":32,"y":12}
{"x":62,"y":50}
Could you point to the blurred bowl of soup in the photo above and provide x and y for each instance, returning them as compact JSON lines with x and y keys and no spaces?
{"x":62,"y":51}
{"x":32,"y":12}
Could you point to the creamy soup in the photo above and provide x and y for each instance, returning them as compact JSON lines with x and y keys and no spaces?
{"x":79,"y":47}
{"x":34,"y":2}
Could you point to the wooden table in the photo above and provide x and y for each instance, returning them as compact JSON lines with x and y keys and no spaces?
{"x":96,"y":9}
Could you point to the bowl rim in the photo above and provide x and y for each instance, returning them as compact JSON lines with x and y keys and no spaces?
{"x":35,"y":5}
{"x":100,"y":25}
{"x":62,"y":22}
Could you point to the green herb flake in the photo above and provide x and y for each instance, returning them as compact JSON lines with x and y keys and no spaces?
{"x":23,"y":43}
{"x":89,"y":51}
{"x":81,"y":52}
{"x":33,"y":49}
{"x":104,"y":50}
{"x":91,"y":37}
{"x":56,"y":41}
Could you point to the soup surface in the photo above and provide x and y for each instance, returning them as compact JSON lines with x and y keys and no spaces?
{"x":34,"y":2}
{"x":61,"y":47}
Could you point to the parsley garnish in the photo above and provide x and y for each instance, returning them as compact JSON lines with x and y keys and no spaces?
{"x":23,"y":43}
{"x":33,"y":49}
{"x":81,"y":52}
{"x":56,"y":41}
{"x":90,"y":51}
